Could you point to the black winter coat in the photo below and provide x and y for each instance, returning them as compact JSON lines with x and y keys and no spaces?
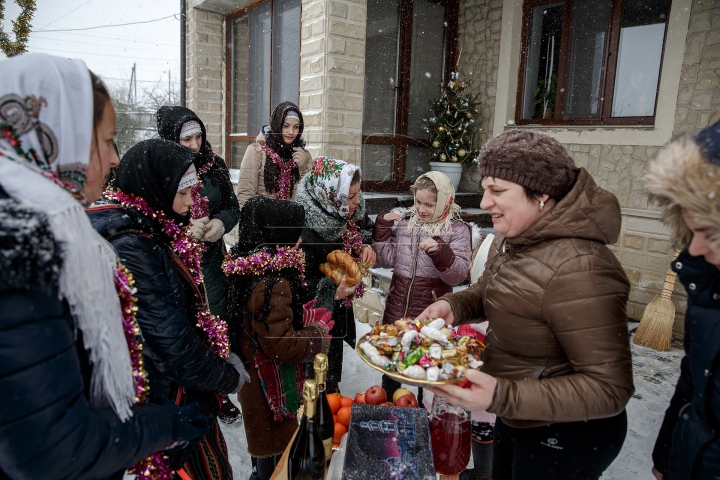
{"x":316,"y":251}
{"x":224,"y":206}
{"x":221,"y":199}
{"x":688,"y":445}
{"x":174,"y":353}
{"x":48,"y":429}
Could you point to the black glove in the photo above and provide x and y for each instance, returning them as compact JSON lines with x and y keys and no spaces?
{"x":187,"y":422}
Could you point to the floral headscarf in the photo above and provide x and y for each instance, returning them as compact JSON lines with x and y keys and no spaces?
{"x":446,"y":210}
{"x":328,"y":183}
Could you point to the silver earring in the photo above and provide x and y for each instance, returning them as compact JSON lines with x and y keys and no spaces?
{"x":542,"y":205}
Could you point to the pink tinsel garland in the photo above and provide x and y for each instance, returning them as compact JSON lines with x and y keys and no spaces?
{"x":352,"y":244}
{"x":201,"y":207}
{"x":190,"y":253}
{"x":283,"y":192}
{"x":154,"y":467}
{"x":262,"y":262}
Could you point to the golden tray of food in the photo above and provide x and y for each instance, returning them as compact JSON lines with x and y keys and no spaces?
{"x":420,"y":353}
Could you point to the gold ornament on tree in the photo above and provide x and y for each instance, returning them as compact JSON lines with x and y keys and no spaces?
{"x":21,"y":28}
{"x":450,"y":123}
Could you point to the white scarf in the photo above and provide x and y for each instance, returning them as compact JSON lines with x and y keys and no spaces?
{"x":49,"y":102}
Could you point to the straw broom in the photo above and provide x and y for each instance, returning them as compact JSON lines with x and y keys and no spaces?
{"x":656,"y":326}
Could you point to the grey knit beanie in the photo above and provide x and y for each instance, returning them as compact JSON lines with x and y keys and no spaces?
{"x":530,"y":159}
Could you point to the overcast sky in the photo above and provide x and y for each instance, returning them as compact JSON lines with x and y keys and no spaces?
{"x":63,"y":27}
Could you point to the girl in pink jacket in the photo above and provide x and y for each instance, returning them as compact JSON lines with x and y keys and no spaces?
{"x":429,"y":251}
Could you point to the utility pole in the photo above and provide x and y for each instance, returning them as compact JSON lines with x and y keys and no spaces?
{"x":133,"y":82}
{"x":169,"y":89}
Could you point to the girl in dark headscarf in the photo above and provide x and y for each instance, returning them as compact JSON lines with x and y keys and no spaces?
{"x":215,"y":212}
{"x":269,"y":325}
{"x":216,"y":206}
{"x":273,"y":165}
{"x":145,"y":217}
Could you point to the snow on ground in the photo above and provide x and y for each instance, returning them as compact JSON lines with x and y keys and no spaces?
{"x":655,"y":375}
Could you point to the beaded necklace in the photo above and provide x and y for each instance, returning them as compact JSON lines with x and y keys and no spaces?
{"x":283,"y":192}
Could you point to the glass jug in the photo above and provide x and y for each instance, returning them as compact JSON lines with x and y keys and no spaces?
{"x":450,"y":437}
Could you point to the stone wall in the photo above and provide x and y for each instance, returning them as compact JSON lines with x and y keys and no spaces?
{"x":332,"y":72}
{"x":205,"y":70}
{"x":480,"y":26}
{"x":644,"y":244}
{"x":698,"y":103}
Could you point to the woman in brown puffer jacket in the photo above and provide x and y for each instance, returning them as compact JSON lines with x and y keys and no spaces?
{"x":558,"y":367}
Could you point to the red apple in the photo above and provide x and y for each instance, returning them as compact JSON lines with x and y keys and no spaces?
{"x":407,"y":401}
{"x":387,"y":404}
{"x":360,"y":398}
{"x":400,"y":392}
{"x":375,"y":395}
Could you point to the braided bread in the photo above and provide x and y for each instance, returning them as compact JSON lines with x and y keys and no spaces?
{"x":340,"y":263}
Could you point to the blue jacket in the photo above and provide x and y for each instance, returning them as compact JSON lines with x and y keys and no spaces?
{"x":688,"y":445}
{"x":174,"y":353}
{"x":48,"y":429}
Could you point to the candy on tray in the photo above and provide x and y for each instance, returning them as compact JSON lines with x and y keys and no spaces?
{"x":421,"y":350}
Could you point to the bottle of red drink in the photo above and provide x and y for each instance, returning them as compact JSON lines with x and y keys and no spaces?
{"x":450,"y":437}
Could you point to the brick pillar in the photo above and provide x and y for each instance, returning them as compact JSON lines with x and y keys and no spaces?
{"x":204,"y":69}
{"x":332,"y":75}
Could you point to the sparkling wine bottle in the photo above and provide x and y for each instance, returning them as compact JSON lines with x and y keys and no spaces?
{"x":307,"y":454}
{"x":323,"y":416}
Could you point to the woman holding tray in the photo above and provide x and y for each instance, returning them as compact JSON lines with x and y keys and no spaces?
{"x":558,"y":367}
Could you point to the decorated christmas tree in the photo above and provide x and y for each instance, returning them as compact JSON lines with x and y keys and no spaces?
{"x":451,"y":124}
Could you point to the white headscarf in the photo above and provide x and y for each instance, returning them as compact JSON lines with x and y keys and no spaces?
{"x":446,"y":210}
{"x":48,"y":101}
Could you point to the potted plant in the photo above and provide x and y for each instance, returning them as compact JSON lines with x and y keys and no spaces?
{"x":545,"y":96}
{"x":452,"y":126}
